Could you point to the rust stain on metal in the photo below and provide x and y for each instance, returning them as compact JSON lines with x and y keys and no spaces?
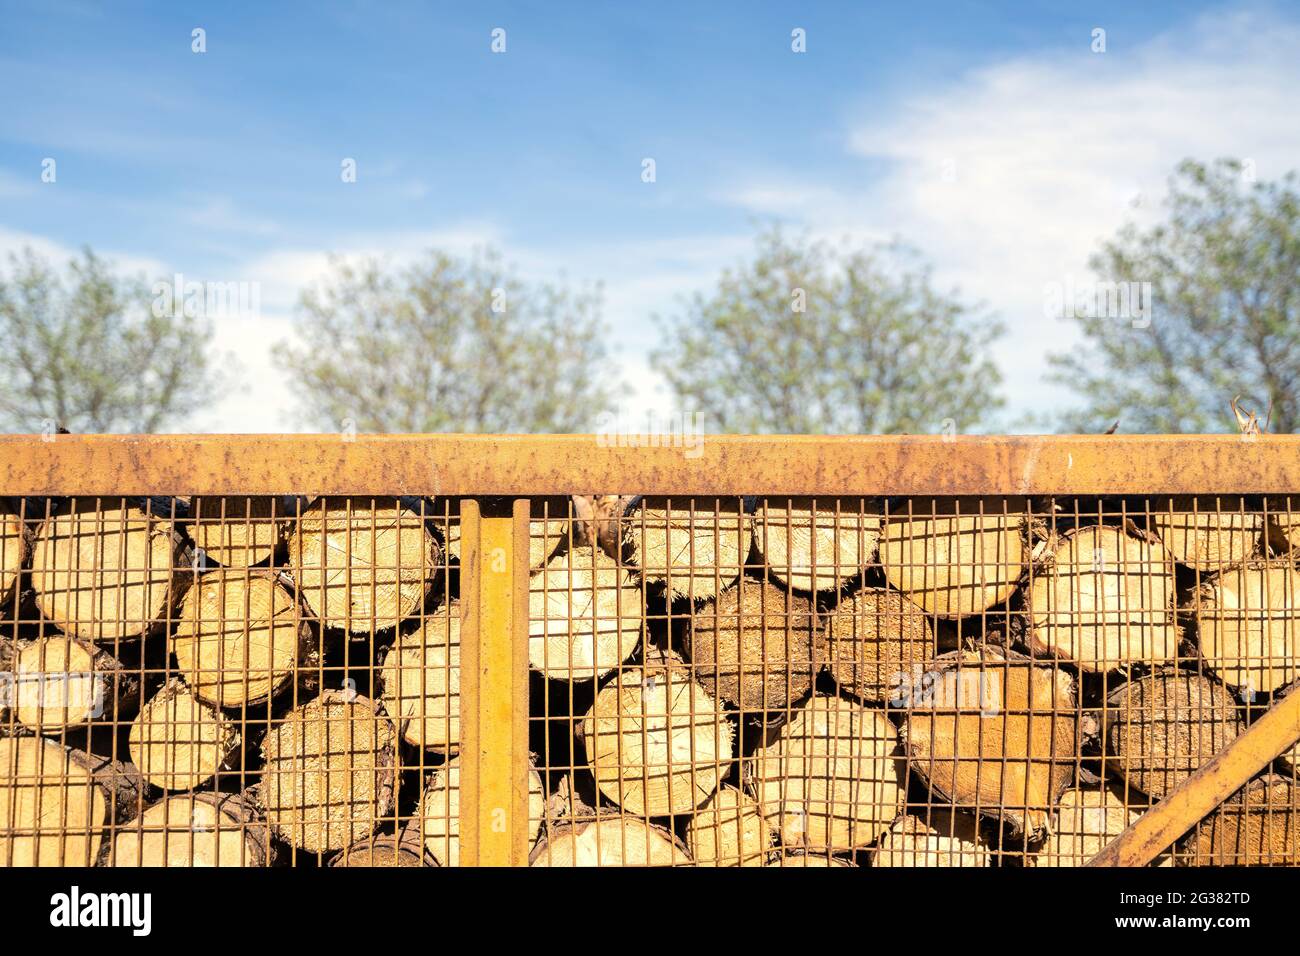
{"x":727,"y":464}
{"x":1226,"y":773}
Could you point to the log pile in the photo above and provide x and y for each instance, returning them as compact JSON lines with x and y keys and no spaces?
{"x":816,"y":716}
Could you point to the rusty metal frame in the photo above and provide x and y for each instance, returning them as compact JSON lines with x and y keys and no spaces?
{"x":706,"y":465}
{"x":495,"y":535}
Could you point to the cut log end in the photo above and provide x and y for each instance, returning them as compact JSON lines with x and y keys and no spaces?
{"x":421,"y":682}
{"x":239,"y":531}
{"x":1259,"y":826}
{"x":938,"y":838}
{"x":437,"y":823}
{"x":240,"y":637}
{"x":362,"y":565}
{"x":878,"y":641}
{"x":64,"y":682}
{"x":105,"y":574}
{"x":729,"y":830}
{"x":815,"y":544}
{"x":953,"y":560}
{"x":657,"y":741}
{"x":609,"y":841}
{"x":1165,"y":725}
{"x":1249,"y":625}
{"x":179,"y":742}
{"x":584,"y":616}
{"x":694,"y":548}
{"x":329,"y":776}
{"x":1105,"y":601}
{"x":57,"y":802}
{"x":830,"y":780}
{"x":756,"y":646}
{"x":996,"y":733}
{"x":194,"y":829}
{"x":1208,"y":534}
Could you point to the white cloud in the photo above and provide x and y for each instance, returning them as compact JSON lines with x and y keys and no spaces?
{"x":1045,"y":154}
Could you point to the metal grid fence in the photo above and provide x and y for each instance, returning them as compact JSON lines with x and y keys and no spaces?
{"x":194,"y":674}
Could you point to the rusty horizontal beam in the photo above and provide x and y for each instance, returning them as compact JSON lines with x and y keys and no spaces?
{"x":1228,"y":771}
{"x":697,"y":465}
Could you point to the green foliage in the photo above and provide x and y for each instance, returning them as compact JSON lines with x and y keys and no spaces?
{"x":447,"y":345}
{"x":1225,"y":274}
{"x":85,"y":349}
{"x":812,"y":338}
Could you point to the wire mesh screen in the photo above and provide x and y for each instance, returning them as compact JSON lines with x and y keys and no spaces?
{"x":241,"y":681}
{"x":908,"y":681}
{"x":997,"y":681}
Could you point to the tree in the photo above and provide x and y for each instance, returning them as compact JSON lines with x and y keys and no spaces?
{"x":1224,"y":274}
{"x":809,"y":337}
{"x":90,"y":350}
{"x":447,"y":345}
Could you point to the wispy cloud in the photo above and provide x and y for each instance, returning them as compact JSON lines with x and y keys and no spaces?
{"x":1011,"y":176}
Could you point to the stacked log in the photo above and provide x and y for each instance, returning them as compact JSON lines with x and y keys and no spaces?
{"x":106,"y":573}
{"x":195,"y":829}
{"x":955,"y":558}
{"x":830,"y":780}
{"x":1105,"y":600}
{"x":179,"y":742}
{"x":437,"y":822}
{"x":1208,"y":533}
{"x":1249,"y":625}
{"x":363,"y":565}
{"x":878,"y":644}
{"x":694,"y":547}
{"x":937,"y":838}
{"x":729,"y":830}
{"x":421,"y":682}
{"x":658,"y":743}
{"x":815,"y":544}
{"x":584,"y":616}
{"x":238,"y":531}
{"x":1166,"y":725}
{"x":329,"y":776}
{"x":56,"y":803}
{"x":241,"y":638}
{"x":609,"y":841}
{"x":1085,"y":822}
{"x":64,"y":682}
{"x":387,"y":850}
{"x":756,"y":646}
{"x":996,"y":733}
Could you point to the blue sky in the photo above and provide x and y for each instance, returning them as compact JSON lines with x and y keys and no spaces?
{"x":988,"y":135}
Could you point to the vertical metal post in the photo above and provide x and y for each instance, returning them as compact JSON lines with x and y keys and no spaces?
{"x":494,"y":682}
